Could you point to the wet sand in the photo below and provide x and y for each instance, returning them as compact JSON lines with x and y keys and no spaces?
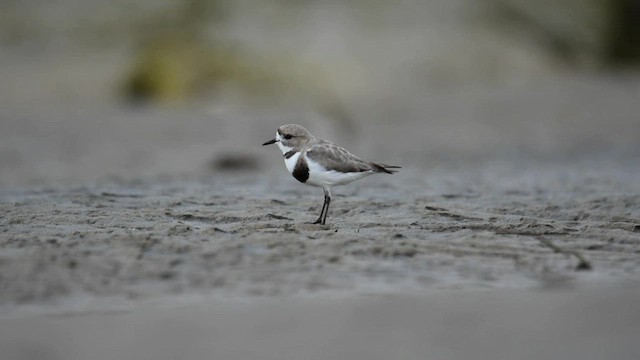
{"x":240,"y":234}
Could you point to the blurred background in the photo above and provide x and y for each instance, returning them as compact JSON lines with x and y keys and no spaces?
{"x":94,"y":90}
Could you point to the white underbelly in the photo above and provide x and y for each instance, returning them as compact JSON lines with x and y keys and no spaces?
{"x":319,"y":176}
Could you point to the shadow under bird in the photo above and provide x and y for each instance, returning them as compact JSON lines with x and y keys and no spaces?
{"x":318,"y":162}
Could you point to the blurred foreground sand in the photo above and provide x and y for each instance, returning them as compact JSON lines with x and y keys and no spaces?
{"x":506,"y":324}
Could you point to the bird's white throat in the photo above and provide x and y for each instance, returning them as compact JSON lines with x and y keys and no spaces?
{"x":285,"y":149}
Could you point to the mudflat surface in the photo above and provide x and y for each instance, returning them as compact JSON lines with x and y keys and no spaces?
{"x":243,"y":235}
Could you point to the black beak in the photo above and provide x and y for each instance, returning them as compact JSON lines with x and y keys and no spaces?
{"x":272,"y":141}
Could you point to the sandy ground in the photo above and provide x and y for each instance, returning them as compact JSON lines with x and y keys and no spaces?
{"x":242,"y":234}
{"x":502,"y":324}
{"x":503,"y":193}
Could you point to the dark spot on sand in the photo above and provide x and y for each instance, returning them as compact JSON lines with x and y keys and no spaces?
{"x":583,"y":266}
{"x":234,"y":162}
{"x":167,"y":275}
{"x":110,"y":194}
{"x":278,"y":217}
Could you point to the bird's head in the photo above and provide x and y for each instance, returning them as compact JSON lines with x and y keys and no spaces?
{"x":290,"y":136}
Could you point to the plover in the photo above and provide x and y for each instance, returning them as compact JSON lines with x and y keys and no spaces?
{"x":318,"y":162}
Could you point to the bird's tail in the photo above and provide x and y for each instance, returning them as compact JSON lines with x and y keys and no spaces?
{"x":385,"y":168}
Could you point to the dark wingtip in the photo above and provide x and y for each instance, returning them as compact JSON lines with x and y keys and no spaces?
{"x":385,"y":168}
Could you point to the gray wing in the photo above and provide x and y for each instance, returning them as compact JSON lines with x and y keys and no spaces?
{"x":334,"y":157}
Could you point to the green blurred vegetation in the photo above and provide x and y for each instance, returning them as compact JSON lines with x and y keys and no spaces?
{"x":181,"y":62}
{"x":176,"y":67}
{"x":624,"y":33}
{"x":178,"y":58}
{"x":181,"y":49}
{"x":584,"y":33}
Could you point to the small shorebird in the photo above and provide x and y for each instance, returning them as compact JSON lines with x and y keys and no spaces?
{"x":318,"y":162}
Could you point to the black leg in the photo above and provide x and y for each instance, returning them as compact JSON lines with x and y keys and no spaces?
{"x":324,"y":204}
{"x":327,"y":199}
{"x":325,"y":208}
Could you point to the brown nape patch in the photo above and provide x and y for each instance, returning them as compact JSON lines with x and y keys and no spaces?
{"x":301,"y":171}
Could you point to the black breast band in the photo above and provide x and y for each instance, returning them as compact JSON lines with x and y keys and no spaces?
{"x":301,"y":171}
{"x":289,"y":154}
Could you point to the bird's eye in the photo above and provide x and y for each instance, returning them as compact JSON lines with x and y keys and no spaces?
{"x":288,"y":136}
